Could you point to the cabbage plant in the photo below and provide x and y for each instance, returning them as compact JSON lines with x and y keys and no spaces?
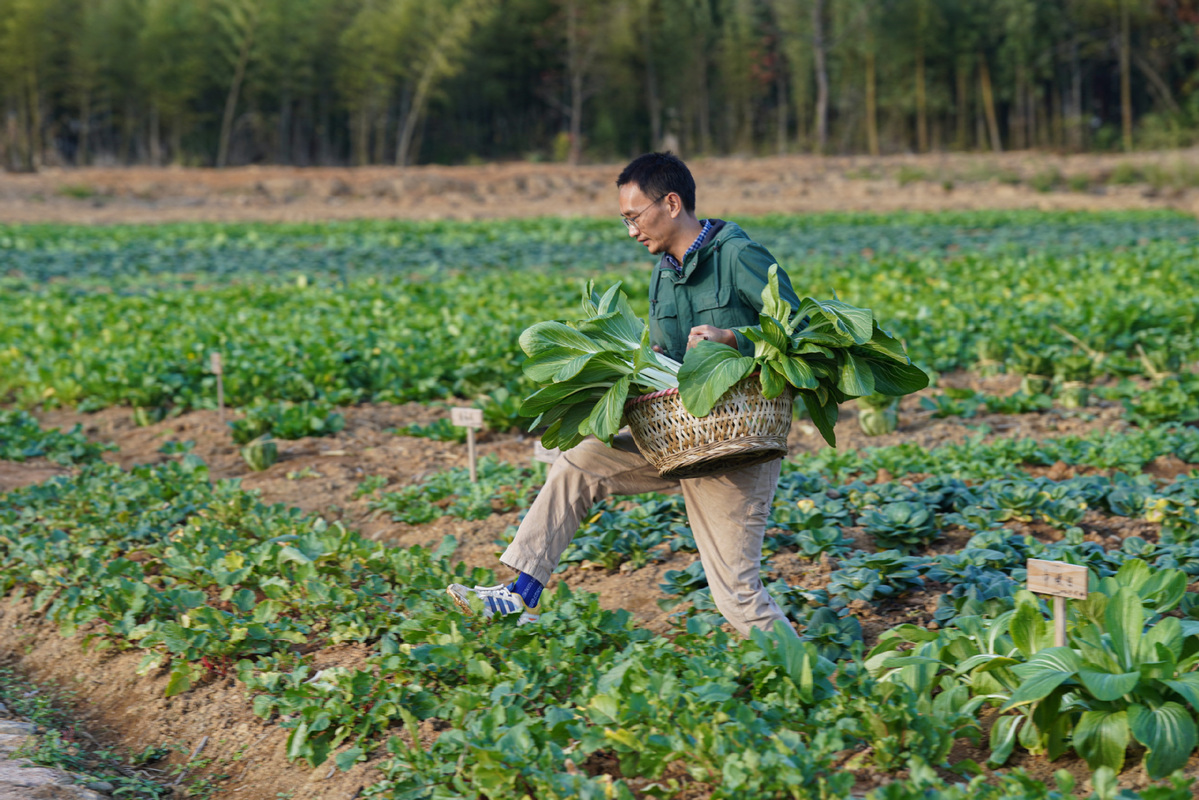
{"x":1127,"y":676}
{"x":260,"y":453}
{"x":878,"y":414}
{"x":901,"y":524}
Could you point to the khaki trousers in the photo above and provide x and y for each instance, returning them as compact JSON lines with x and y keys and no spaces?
{"x":728,"y":515}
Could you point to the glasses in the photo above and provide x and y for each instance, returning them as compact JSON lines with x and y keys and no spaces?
{"x":631,"y":222}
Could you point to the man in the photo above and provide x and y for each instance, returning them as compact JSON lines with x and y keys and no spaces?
{"x":709,"y":281}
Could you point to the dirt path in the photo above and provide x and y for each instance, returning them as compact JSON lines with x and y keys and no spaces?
{"x":728,"y":187}
{"x":242,"y":756}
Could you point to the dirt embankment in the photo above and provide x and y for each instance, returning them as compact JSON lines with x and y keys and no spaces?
{"x":728,"y":187}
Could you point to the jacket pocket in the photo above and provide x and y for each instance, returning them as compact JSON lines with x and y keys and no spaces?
{"x":664,"y":329}
{"x":719,"y":308}
{"x":711,"y":296}
{"x":709,"y":290}
{"x":715,"y":297}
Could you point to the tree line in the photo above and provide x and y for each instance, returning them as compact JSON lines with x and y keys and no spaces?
{"x":333,"y":82}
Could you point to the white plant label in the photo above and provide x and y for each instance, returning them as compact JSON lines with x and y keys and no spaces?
{"x":1057,"y":578}
{"x":467,"y":417}
{"x":218,"y":369}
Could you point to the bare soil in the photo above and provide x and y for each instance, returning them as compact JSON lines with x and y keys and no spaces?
{"x":243,"y":756}
{"x":14,"y":474}
{"x":728,"y":187}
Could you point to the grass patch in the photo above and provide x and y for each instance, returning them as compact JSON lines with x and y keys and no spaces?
{"x":989,"y":171}
{"x":1046,"y":180}
{"x":61,"y":745}
{"x":1125,"y":174}
{"x":909,"y":174}
{"x":76,"y":191}
{"x":867,"y":173}
{"x":1008,"y":177}
{"x":1079,"y":183}
{"x":1176,"y":176}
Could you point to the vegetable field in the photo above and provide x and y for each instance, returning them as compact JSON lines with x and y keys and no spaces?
{"x":279,"y":574}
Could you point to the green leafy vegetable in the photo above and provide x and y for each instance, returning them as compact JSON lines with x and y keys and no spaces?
{"x":828,"y":351}
{"x":588,"y":367}
{"x":878,"y":414}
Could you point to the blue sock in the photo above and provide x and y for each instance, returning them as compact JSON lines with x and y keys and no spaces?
{"x":529,"y":588}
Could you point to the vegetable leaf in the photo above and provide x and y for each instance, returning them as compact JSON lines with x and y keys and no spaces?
{"x":895,"y":379}
{"x":824,"y":416}
{"x":709,"y":370}
{"x":605,"y":417}
{"x":856,"y":379}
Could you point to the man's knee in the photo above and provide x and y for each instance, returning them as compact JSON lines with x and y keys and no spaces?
{"x":747,"y":606}
{"x":585,"y":468}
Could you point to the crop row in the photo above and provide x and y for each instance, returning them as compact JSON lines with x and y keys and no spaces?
{"x":456,"y":334}
{"x":390,"y":343}
{"x":502,"y":486}
{"x":23,"y":438}
{"x":341,"y":250}
{"x":901,"y":521}
{"x":207,"y":580}
{"x":1170,"y":397}
{"x":981,"y":456}
{"x":812,"y":511}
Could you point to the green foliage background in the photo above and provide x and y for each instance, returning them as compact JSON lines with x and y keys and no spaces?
{"x":415,"y":311}
{"x":202,"y":82}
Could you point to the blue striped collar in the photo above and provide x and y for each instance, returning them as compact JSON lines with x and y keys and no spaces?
{"x":670,"y":260}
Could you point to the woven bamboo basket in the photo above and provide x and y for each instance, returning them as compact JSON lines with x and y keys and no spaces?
{"x":744,"y":428}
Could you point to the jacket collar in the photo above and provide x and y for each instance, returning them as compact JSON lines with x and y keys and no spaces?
{"x":720,"y":230}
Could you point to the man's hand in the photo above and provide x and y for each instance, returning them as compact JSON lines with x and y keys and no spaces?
{"x":713,"y":334}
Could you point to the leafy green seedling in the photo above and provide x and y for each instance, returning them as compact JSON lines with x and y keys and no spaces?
{"x":369,"y":485}
{"x":903,"y":525}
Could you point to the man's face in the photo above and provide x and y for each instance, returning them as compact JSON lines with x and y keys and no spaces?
{"x":652,"y":220}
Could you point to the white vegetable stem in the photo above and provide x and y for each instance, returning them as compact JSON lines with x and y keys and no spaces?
{"x":660,"y":379}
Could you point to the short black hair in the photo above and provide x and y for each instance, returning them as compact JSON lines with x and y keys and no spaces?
{"x":659,"y":174}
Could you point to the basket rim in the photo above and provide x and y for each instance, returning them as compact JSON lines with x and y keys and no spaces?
{"x":645,"y":398}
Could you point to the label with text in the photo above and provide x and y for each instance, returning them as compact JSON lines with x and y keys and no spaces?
{"x":1057,"y":578}
{"x":215,"y":365}
{"x":467,"y":417}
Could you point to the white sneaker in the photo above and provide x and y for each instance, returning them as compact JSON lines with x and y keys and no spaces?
{"x":498,"y":599}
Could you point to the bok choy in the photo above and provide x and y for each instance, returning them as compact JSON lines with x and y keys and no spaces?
{"x":828,"y":351}
{"x":588,"y":368}
{"x":840,"y":353}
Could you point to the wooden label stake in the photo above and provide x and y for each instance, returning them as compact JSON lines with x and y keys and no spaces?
{"x":1061,"y":581}
{"x":469,"y":418}
{"x":218,"y":369}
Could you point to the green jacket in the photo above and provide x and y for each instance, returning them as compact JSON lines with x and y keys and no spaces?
{"x":721,"y":285}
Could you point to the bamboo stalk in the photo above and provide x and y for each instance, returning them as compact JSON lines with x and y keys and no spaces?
{"x":984,"y":79}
